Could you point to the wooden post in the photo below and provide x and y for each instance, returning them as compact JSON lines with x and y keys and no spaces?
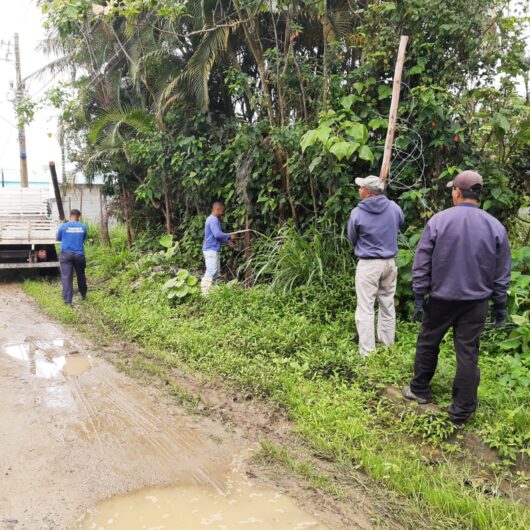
{"x":57,"y":191}
{"x":396,"y":89}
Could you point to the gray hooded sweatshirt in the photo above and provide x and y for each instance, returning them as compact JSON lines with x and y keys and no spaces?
{"x":373,"y":228}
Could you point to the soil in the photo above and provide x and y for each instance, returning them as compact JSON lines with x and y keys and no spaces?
{"x":74,"y":431}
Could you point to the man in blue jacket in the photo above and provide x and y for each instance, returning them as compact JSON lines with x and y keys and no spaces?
{"x":373,"y":230}
{"x":214,"y":237}
{"x":72,"y":237}
{"x":462,"y":261}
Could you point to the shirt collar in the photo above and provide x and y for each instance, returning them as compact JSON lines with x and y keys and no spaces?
{"x":468,"y":204}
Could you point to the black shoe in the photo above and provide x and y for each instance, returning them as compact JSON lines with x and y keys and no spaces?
{"x":83,"y":297}
{"x":406,"y":392}
{"x":457,"y":424}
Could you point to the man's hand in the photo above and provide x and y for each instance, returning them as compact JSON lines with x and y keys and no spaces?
{"x":233,"y":237}
{"x":419,"y":304}
{"x":499,"y":315}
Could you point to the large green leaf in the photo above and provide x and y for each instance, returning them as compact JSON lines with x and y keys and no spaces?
{"x":343,"y":149}
{"x":378,"y":123}
{"x":182,"y":274}
{"x":521,"y":320}
{"x":182,"y":291}
{"x":348,"y":101}
{"x":170,"y":283}
{"x":314,"y":163}
{"x":323,"y":133}
{"x":166,"y":241}
{"x":366,"y":153}
{"x":510,"y":344}
{"x":384,"y":91}
{"x":358,"y":131}
{"x":308,"y":139}
{"x":191,"y":280}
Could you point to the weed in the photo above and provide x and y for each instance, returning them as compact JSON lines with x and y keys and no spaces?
{"x":295,"y":348}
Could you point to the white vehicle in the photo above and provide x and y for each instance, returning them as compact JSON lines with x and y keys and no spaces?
{"x":28,"y":226}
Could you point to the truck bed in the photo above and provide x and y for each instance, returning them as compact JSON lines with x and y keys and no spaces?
{"x":26,"y":217}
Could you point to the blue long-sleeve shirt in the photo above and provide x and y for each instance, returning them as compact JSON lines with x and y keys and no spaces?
{"x":72,"y":236}
{"x":214,"y":237}
{"x":463,"y":254}
{"x":373,"y":227}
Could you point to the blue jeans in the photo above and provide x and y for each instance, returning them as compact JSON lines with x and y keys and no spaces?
{"x":70,"y":262}
{"x":212,"y":258}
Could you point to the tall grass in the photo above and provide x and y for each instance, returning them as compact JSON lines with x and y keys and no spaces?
{"x":291,"y":259}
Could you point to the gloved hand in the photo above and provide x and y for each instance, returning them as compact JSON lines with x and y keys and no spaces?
{"x":499,"y":315}
{"x":419,"y":304}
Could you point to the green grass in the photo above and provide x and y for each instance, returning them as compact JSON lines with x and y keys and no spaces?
{"x":295,"y":350}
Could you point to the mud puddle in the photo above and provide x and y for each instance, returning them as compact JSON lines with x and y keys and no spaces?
{"x":193,"y":507}
{"x":74,"y":431}
{"x":46,"y":359}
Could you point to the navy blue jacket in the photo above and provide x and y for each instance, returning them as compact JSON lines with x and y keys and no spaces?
{"x":463,"y":254}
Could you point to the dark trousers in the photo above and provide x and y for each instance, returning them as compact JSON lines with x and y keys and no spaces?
{"x":467,"y":320}
{"x":70,"y":262}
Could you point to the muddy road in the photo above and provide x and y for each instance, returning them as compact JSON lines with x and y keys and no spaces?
{"x":84,"y":446}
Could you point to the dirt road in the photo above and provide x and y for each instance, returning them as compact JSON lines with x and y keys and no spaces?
{"x":74,"y":431}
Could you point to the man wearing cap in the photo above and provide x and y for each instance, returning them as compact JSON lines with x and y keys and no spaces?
{"x":462,"y":261}
{"x":373,"y":229}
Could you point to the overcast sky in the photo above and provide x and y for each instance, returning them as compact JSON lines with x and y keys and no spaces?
{"x":24,"y":17}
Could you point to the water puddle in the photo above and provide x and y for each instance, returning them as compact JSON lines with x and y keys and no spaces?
{"x":42,"y":363}
{"x":75,"y":364}
{"x":199,"y":507}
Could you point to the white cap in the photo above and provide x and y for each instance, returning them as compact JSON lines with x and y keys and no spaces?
{"x":371,"y":182}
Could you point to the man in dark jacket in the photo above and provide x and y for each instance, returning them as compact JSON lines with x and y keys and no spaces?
{"x":462,"y":261}
{"x":373,"y":229}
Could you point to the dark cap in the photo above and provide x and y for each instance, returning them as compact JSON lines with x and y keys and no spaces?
{"x":466,"y":180}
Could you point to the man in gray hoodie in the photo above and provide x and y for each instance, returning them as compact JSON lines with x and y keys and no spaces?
{"x":373,"y":229}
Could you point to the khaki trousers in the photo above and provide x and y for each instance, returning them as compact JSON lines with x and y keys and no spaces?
{"x":375,"y":279}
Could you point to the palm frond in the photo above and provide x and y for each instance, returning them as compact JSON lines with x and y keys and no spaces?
{"x":115,"y":120}
{"x":341,"y":21}
{"x":193,"y":81}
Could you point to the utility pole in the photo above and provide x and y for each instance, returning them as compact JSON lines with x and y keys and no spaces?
{"x":392,"y":119}
{"x":19,"y":95}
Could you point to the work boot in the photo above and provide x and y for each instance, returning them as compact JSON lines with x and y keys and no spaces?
{"x":206,"y":284}
{"x":406,"y":392}
{"x":458,"y":425}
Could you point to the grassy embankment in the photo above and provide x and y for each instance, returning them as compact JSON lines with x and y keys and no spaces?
{"x":296,"y":352}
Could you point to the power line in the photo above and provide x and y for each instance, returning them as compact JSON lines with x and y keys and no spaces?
{"x":6,"y":144}
{"x":25,"y":12}
{"x":9,"y":122}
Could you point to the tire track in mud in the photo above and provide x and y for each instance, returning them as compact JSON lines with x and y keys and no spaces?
{"x":69,"y":441}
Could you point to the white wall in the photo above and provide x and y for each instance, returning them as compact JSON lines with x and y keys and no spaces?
{"x":84,"y":198}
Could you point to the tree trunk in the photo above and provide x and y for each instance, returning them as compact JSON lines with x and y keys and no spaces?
{"x":126,"y":215}
{"x":246,"y":240}
{"x":104,"y":235}
{"x":256,"y":48}
{"x":167,"y":208}
{"x":327,"y":36}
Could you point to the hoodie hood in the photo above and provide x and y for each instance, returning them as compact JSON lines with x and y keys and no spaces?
{"x":374,"y":205}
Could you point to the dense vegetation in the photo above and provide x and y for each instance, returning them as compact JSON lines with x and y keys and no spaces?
{"x":295,"y":349}
{"x":275,"y":107}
